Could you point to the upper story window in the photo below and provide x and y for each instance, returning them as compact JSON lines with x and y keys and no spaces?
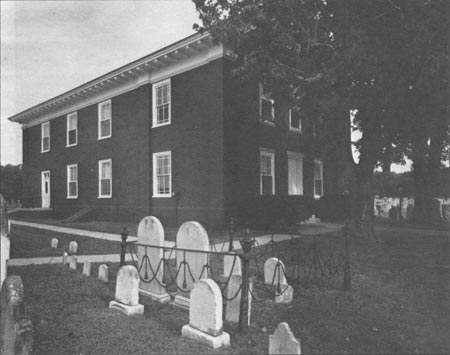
{"x":295,"y":122}
{"x":104,"y":119}
{"x":318,"y":178}
{"x":266,"y":106}
{"x":161,"y":103}
{"x":267,"y":172}
{"x":72,"y":129}
{"x":105,"y":178}
{"x":162,"y":174}
{"x":72,"y":181}
{"x":45,"y":137}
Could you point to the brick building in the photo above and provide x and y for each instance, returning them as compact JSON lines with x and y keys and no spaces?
{"x":171,"y":135}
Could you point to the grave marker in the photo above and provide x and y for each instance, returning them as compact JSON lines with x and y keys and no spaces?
{"x":205,"y":315}
{"x":87,"y":268}
{"x":103,"y":272}
{"x":73,"y":247}
{"x":151,"y":231}
{"x":127,"y":292}
{"x":54,"y":243}
{"x":283,"y":341}
{"x":273,"y":272}
{"x":233,"y":307}
{"x":4,"y":257}
{"x":73,"y":262}
{"x":232,"y":265}
{"x":64,"y":258}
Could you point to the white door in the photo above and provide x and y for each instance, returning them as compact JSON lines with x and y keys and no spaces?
{"x":45,"y":188}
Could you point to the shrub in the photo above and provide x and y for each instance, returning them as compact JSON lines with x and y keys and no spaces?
{"x":334,"y":207}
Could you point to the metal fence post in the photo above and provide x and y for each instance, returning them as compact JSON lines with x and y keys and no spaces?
{"x":123,"y":246}
{"x":347,"y":271}
{"x":232,"y":226}
{"x":247,"y":244}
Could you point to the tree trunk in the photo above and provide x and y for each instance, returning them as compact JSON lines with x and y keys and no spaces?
{"x":421,"y":183}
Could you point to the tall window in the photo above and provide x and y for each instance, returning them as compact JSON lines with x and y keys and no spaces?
{"x":45,"y":137}
{"x":72,"y":181}
{"x":266,"y":106}
{"x":104,"y":120}
{"x":295,"y":173}
{"x":162,"y":174}
{"x":318,"y":178}
{"x":72,"y":129}
{"x":295,"y":122}
{"x":161,"y":103}
{"x":267,"y":172}
{"x":105,"y":178}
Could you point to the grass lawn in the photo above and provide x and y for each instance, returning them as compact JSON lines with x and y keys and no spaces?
{"x":398,"y":304}
{"x":33,"y":243}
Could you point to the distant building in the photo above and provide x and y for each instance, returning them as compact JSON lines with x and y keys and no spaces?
{"x":171,"y":135}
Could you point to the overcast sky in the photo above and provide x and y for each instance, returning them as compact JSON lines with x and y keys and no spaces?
{"x":50,"y":47}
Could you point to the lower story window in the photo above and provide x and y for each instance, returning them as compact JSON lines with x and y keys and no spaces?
{"x":72,"y":181}
{"x":318,"y":178}
{"x":162,"y":174}
{"x":105,"y":178}
{"x":266,"y":172}
{"x":295,"y":173}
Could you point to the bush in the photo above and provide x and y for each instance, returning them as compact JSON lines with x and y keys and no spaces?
{"x":263,"y":212}
{"x":334,"y":207}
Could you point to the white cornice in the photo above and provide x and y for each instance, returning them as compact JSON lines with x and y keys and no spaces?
{"x":187,"y":54}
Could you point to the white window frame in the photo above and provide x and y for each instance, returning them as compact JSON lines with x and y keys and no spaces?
{"x":154,"y":100}
{"x":69,"y":181}
{"x":69,"y":116}
{"x":271,"y":154}
{"x":272,"y":101}
{"x":43,"y":125}
{"x":100,"y":163}
{"x":155,"y":177}
{"x":294,"y":129}
{"x":100,"y":120}
{"x":320,"y":162}
{"x":296,"y":156}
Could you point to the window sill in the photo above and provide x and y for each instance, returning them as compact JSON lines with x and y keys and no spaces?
{"x":104,"y":196}
{"x":162,"y":196}
{"x":72,"y":197}
{"x":268,"y":123}
{"x":101,"y":138}
{"x":71,"y":145}
{"x":295,"y":130}
{"x":45,"y":151}
{"x":316,"y":197}
{"x":161,"y":124}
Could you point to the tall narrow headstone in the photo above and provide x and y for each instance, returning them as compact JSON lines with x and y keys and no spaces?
{"x":127,"y":292}
{"x":205,"y":315}
{"x":103,"y":272}
{"x":73,"y":247}
{"x":231,"y":265}
{"x":151,"y":265}
{"x":16,"y":331}
{"x":283,"y":341}
{"x":273,"y":272}
{"x":73,"y":262}
{"x":54,"y":243}
{"x":4,"y":240}
{"x":4,"y":225}
{"x":233,"y":294}
{"x":64,"y":258}
{"x":87,"y":268}
{"x":192,"y":236}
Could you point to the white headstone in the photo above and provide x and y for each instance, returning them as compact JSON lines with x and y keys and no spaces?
{"x":103,"y":272}
{"x":233,"y":293}
{"x":73,"y":262}
{"x":232,"y":265}
{"x":87,"y":268}
{"x":286,"y":294}
{"x":127,"y":292}
{"x":191,"y":235}
{"x":283,"y":341}
{"x":205,"y":315}
{"x":151,"y":232}
{"x":273,"y":272}
{"x":54,"y":243}
{"x":4,"y":257}
{"x":64,"y":258}
{"x":73,"y":247}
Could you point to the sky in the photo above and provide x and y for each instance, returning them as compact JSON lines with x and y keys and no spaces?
{"x":50,"y":47}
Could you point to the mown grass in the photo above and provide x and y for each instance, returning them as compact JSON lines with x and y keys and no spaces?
{"x":398,"y":304}
{"x":30,"y":242}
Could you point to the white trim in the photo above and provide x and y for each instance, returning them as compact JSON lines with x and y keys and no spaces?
{"x":42,"y":136}
{"x":69,"y":116}
{"x":42,"y":188}
{"x":294,"y":129}
{"x":155,"y":179}
{"x":320,"y":163}
{"x":100,"y":162}
{"x":272,"y":101}
{"x":271,"y":154}
{"x":154,"y":112}
{"x":99,"y":120}
{"x":68,"y":181}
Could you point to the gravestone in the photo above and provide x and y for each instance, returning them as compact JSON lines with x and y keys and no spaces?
{"x":273,"y":272}
{"x":87,"y":268}
{"x":64,"y":258}
{"x":73,"y":262}
{"x":4,"y":223}
{"x":286,"y":294}
{"x":283,"y":341}
{"x":73,"y":247}
{"x":103,"y":272}
{"x":409,"y":212}
{"x":232,"y":265}
{"x":233,"y":307}
{"x":54,"y":243}
{"x":205,"y":315}
{"x":151,"y":231}
{"x":16,"y":332}
{"x":127,"y":292}
{"x":4,"y":240}
{"x":191,"y":235}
